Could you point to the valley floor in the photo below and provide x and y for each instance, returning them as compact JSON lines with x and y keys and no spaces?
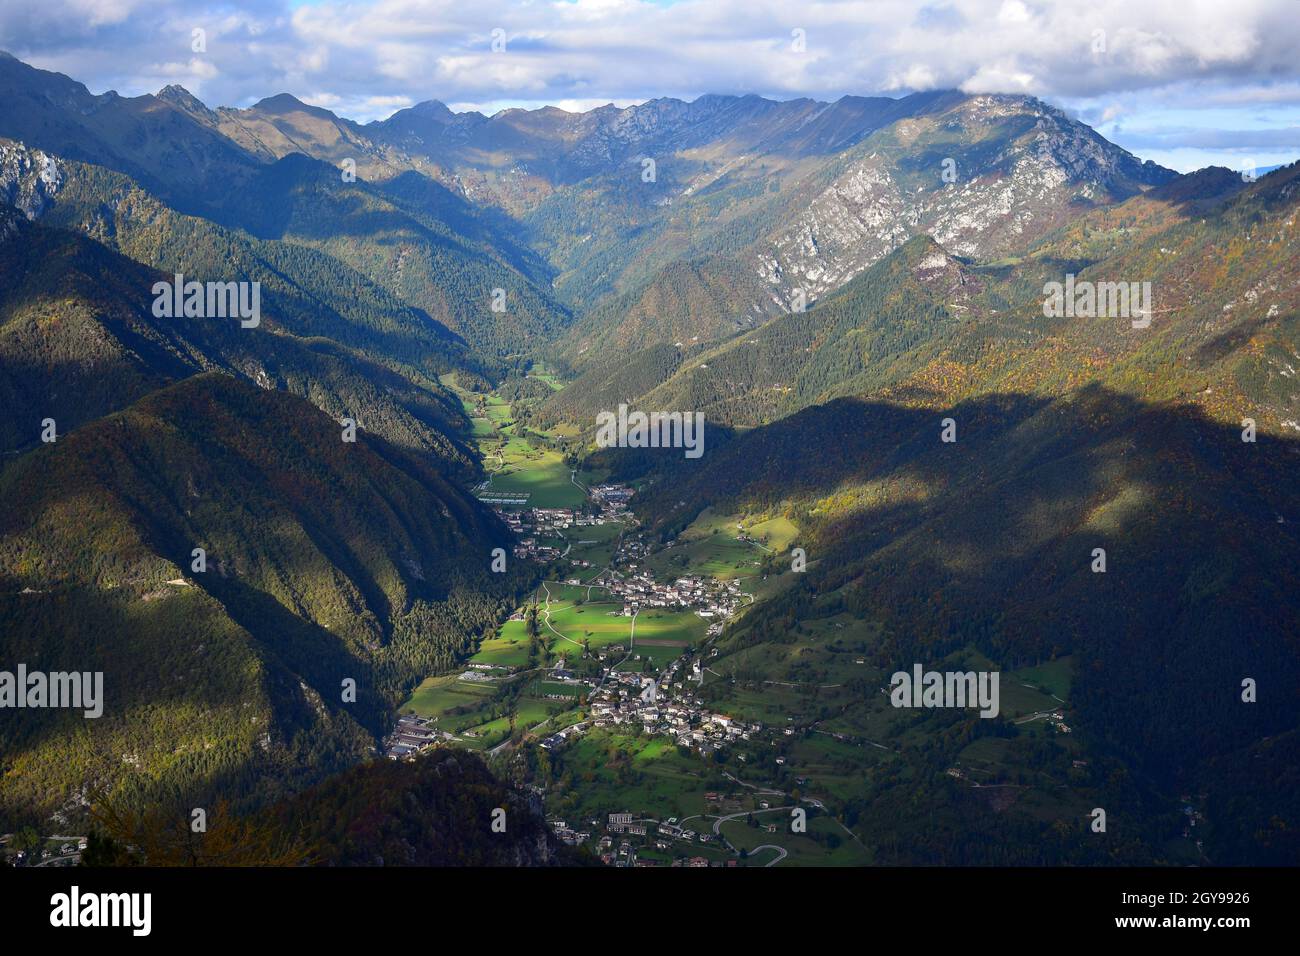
{"x":615,"y":692}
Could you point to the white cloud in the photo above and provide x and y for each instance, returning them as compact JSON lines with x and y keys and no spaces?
{"x":194,"y":70}
{"x":369,"y":56}
{"x":1013,"y":11}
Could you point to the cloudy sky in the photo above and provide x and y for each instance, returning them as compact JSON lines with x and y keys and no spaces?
{"x":1184,"y":82}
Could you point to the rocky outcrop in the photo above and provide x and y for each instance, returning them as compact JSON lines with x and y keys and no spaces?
{"x":29,"y":178}
{"x":984,"y":178}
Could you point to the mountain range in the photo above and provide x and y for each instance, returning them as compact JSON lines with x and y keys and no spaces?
{"x":828,"y":283}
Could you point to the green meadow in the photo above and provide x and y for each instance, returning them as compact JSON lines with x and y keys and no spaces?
{"x":776,"y":534}
{"x":437,"y":695}
{"x":515,"y":464}
{"x":594,"y":544}
{"x":507,"y":648}
{"x":824,"y":844}
{"x":596,"y":624}
{"x":710,"y":545}
{"x":617,"y":772}
{"x":678,"y":627}
{"x":467,"y":708}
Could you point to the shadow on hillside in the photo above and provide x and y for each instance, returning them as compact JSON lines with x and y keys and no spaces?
{"x":216,"y":459}
{"x":990,"y":541}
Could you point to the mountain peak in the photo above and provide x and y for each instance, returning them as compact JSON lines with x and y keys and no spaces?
{"x":432,"y":108}
{"x":174,"y":90}
{"x":178,"y":95}
{"x":1212,"y":182}
{"x":416,"y":117}
{"x":288,"y":103}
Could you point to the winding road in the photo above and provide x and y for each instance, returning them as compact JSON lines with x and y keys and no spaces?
{"x":781,"y":854}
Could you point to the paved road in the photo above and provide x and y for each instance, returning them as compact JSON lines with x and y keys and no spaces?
{"x":781,"y":854}
{"x":626,"y":657}
{"x":547,"y":620}
{"x":778,"y":793}
{"x":870,"y":743}
{"x":717,"y":823}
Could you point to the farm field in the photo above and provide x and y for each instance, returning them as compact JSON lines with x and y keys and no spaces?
{"x":771,"y":706}
{"x":822,"y":654}
{"x":678,"y":627}
{"x":467,"y":708}
{"x":776,"y":534}
{"x":515,"y":464}
{"x":562,"y":594}
{"x":508,"y":648}
{"x":1054,"y":677}
{"x":720,"y":556}
{"x":1019,"y":691}
{"x":595,"y":624}
{"x":436,"y":696}
{"x":615,"y":772}
{"x":529,"y":712}
{"x":709,"y":545}
{"x":594,"y":544}
{"x":579,"y":620}
{"x":542,"y":373}
{"x":538,"y":472}
{"x":544,"y":688}
{"x":620,"y":772}
{"x":548,"y":379}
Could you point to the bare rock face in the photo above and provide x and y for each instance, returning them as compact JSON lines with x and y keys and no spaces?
{"x":993,"y":173}
{"x":29,"y":178}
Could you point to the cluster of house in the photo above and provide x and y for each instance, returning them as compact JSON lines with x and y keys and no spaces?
{"x":639,"y":589}
{"x":612,"y":500}
{"x":412,"y":735}
{"x":557,"y":519}
{"x":661,"y":706}
{"x":558,"y":738}
{"x":631,"y":548}
{"x":566,"y":833}
{"x":544,"y":520}
{"x":534,"y":550}
{"x":63,"y":854}
{"x":636,"y":700}
{"x":666,"y":834}
{"x":529,"y":524}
